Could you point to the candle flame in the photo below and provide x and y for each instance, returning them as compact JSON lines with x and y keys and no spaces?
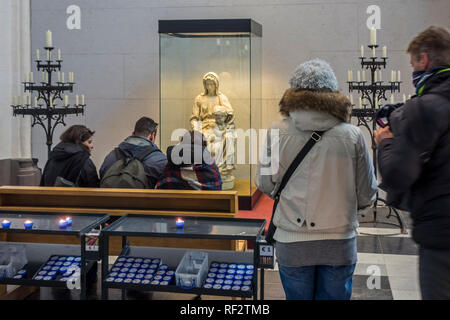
{"x":28,"y":221}
{"x":180,"y":220}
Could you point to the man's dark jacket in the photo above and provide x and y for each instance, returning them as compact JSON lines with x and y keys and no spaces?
{"x":416,"y":162}
{"x":71,"y":162}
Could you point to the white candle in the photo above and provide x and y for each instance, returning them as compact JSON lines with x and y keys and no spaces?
{"x":51,"y":102}
{"x":351,"y":99}
{"x":384,"y":52}
{"x":409,"y":96}
{"x":28,"y":100}
{"x":379,"y":76}
{"x":38,"y":56}
{"x":46,"y":77}
{"x":392,"y":98}
{"x":49,"y":38}
{"x":49,"y":55}
{"x":31,"y":77}
{"x":35,"y":102}
{"x":362,"y":51}
{"x":360,"y":102}
{"x":66,"y":100}
{"x":59,"y":54}
{"x":375,"y":77}
{"x":76,"y":100}
{"x":62,"y":77}
{"x":364,"y":75}
{"x":59,"y":76}
{"x":376,"y":103}
{"x":82,"y":99}
{"x":404,"y":98}
{"x":398,"y":76}
{"x":359,"y":76}
{"x":349,"y":75}
{"x":373,"y":52}
{"x":43,"y":76}
{"x":373,"y":36}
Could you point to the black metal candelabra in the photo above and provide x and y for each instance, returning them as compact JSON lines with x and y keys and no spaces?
{"x":46,"y":113}
{"x":373,"y":92}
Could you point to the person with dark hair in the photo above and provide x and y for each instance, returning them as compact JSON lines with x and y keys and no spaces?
{"x":413,"y":157}
{"x":190,"y":166}
{"x":70,"y":159}
{"x":139,"y":144}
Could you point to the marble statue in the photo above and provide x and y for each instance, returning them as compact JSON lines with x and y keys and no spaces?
{"x":213,"y":116}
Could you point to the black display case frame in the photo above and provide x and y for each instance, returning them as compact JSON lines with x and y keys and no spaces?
{"x":179,"y":233}
{"x":32,"y":267}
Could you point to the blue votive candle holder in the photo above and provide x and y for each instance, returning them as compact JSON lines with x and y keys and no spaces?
{"x":6,"y":224}
{"x":69,"y":221}
{"x":179,"y":223}
{"x":28,"y":224}
{"x":62,"y":223}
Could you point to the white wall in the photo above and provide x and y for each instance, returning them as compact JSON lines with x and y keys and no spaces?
{"x":115,"y":54}
{"x":15,"y":133}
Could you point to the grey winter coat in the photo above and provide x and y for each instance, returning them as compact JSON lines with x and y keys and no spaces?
{"x":334,"y":181}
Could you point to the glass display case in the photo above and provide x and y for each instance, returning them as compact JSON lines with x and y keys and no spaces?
{"x":60,"y":264}
{"x":210,"y":81}
{"x":148,"y":260}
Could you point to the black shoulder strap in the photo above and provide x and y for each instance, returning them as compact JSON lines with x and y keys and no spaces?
{"x":144,"y":153}
{"x":315,"y":137}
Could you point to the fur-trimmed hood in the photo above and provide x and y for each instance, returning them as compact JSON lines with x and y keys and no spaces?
{"x":331,"y":103}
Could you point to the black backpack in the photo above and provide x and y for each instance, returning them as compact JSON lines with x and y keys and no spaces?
{"x":127,"y":172}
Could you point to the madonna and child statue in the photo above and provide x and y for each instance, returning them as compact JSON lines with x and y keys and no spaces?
{"x":213,"y":116}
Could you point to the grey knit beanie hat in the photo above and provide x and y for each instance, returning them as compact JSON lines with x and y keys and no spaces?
{"x":314,"y":74}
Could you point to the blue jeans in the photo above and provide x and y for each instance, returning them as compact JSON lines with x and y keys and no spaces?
{"x":320,"y":282}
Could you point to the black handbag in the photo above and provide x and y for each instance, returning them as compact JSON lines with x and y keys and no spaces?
{"x":315,"y":137}
{"x":61,"y":182}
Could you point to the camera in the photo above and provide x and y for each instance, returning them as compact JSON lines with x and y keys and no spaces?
{"x":382,"y":115}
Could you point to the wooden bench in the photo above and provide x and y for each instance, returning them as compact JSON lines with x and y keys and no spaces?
{"x":118,"y":202}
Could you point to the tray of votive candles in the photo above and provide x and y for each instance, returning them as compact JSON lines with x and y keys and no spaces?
{"x":58,"y":268}
{"x":229,"y":276}
{"x":140,"y":270}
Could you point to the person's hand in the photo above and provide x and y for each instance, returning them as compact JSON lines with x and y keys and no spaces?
{"x":382,"y":133}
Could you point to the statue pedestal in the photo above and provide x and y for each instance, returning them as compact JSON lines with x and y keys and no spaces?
{"x":227,"y":183}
